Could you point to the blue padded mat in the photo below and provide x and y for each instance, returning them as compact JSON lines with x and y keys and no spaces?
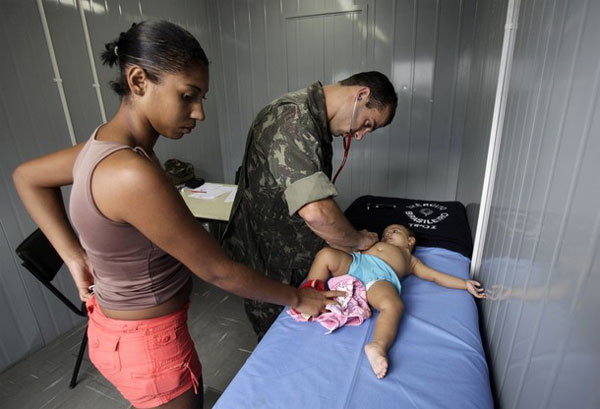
{"x":437,"y":360}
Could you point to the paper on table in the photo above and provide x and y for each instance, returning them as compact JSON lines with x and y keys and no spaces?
{"x":231,"y":196}
{"x":210,"y":191}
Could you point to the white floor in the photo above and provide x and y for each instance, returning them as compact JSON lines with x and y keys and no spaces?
{"x":224,"y":339}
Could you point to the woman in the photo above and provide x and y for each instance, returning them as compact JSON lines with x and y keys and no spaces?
{"x":137,"y":239}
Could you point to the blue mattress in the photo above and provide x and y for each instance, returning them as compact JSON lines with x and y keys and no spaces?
{"x":437,"y":360}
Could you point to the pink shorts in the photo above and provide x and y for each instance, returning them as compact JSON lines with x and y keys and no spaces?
{"x":150,"y":362}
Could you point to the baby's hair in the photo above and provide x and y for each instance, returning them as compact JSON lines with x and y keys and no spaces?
{"x":157,"y":46}
{"x":411,"y":234}
{"x":409,"y":231}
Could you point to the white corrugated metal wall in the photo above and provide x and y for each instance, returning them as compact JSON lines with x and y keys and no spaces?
{"x":541,"y":254}
{"x":487,"y":46}
{"x":268,"y":47}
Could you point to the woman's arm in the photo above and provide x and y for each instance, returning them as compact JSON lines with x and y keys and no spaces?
{"x":38,"y":183}
{"x":145,"y":198}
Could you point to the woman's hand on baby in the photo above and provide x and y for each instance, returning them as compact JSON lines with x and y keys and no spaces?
{"x":313,"y":302}
{"x":475,"y":288}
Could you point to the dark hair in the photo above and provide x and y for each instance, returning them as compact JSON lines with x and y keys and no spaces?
{"x":156,"y":46}
{"x":411,"y":234}
{"x":409,"y":231}
{"x":382,"y":91}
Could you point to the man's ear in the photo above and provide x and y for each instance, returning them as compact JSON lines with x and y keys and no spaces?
{"x":137,"y":80}
{"x":363,"y":94}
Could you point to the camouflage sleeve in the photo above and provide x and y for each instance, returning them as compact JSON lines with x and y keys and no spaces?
{"x":293,"y":154}
{"x":309,"y":189}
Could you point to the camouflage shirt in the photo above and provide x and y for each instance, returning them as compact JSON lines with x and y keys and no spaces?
{"x":287,"y":164}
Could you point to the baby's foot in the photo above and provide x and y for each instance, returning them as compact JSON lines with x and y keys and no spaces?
{"x":377,"y":358}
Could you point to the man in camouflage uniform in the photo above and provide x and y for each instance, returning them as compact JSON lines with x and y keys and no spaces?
{"x":284,"y":210}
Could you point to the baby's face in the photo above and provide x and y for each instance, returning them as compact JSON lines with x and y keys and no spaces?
{"x":397,"y":235}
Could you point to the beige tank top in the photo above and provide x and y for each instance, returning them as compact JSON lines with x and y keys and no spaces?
{"x":130,"y":272}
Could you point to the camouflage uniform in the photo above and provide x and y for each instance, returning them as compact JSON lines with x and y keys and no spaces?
{"x":287,"y":164}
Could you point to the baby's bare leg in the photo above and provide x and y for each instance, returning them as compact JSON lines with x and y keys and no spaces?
{"x":329,"y":261}
{"x":384,"y":297}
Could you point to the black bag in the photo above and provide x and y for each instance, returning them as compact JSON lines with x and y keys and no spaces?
{"x":179,"y":172}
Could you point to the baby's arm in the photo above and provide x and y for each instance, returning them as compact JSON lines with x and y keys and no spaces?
{"x":426,"y":273}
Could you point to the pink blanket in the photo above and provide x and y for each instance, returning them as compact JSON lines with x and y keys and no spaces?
{"x":352,"y":309}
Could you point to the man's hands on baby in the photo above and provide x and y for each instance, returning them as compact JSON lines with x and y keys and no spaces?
{"x":313,"y":302}
{"x":475,"y":288}
{"x":367,"y":239}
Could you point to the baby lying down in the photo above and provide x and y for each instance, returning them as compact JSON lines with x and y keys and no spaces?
{"x":380,"y":269}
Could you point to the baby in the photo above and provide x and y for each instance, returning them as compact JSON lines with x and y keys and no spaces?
{"x":380,"y":269}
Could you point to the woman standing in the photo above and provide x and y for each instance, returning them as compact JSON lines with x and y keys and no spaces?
{"x":137,"y":240}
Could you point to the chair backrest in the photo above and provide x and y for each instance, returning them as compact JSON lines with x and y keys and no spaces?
{"x":38,"y":254}
{"x":42,"y":260}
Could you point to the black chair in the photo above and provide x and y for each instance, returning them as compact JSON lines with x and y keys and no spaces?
{"x":42,"y":260}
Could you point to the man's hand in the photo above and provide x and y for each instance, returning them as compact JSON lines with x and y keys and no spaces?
{"x":367,"y":239}
{"x":313,"y":302}
{"x":475,"y":289}
{"x":82,"y":275}
{"x":327,"y":221}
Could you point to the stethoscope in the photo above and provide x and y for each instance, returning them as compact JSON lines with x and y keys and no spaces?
{"x":347,"y":140}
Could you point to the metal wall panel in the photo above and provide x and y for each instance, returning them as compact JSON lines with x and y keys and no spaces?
{"x":32,"y":123}
{"x":329,"y":47}
{"x":423,"y":46}
{"x":485,"y":63}
{"x":105,"y":20}
{"x":542,"y":249}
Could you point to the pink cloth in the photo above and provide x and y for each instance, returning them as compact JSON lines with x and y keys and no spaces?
{"x":353,"y":308}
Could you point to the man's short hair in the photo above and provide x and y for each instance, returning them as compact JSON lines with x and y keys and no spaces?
{"x":382,"y":91}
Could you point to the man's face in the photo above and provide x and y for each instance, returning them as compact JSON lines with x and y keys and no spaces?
{"x":365,"y":120}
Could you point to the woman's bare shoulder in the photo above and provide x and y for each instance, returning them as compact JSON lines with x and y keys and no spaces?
{"x":126,"y":166}
{"x":126,"y":180}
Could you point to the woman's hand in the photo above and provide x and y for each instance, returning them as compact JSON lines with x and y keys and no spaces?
{"x":81,"y":272}
{"x":313,"y":302}
{"x":475,"y":288}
